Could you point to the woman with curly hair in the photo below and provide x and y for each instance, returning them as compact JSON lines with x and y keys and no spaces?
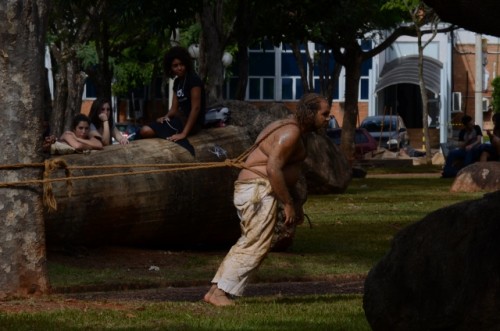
{"x":187,"y":113}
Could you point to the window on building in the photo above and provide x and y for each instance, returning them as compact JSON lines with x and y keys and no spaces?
{"x":291,"y":81}
{"x":364,"y":89}
{"x":89,"y":90}
{"x":274,"y":74}
{"x":325,"y":64}
{"x":262,"y":72}
{"x":289,"y":65}
{"x":254,"y":85}
{"x":231,"y":84}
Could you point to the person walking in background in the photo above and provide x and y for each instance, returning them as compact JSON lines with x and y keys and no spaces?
{"x":268,"y":178}
{"x":187,"y":113}
{"x":102,"y":123}
{"x":470,"y":138}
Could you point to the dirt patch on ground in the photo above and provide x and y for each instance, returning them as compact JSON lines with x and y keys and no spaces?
{"x":58,"y":302}
{"x":132,"y":297}
{"x":195,"y":293}
{"x":130,"y":300}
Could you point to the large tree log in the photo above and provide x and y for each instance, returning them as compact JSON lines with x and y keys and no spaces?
{"x":183,"y":208}
{"x":175,"y":208}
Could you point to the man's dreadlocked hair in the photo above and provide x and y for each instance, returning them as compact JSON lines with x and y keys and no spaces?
{"x":307,"y":108}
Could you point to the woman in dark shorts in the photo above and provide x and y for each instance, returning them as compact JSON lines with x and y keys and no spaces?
{"x":187,"y":113}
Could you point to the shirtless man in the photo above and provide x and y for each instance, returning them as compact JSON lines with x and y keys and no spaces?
{"x":271,"y":171}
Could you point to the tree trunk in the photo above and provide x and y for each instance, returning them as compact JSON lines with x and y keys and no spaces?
{"x":69,"y":83}
{"x":101,"y":74}
{"x":58,"y":116}
{"x":76,"y":83}
{"x":22,"y":243}
{"x":425,"y":101}
{"x":245,"y":23}
{"x":353,"y":60}
{"x":243,"y":71}
{"x":213,"y":41}
{"x":304,"y":79}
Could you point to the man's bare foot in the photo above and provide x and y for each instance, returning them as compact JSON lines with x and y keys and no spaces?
{"x":218,"y":298}
{"x":209,"y":293}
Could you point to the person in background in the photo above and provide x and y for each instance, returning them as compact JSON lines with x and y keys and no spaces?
{"x":102,"y":123}
{"x":268,"y":178}
{"x":332,"y":123}
{"x":79,"y":137}
{"x":470,"y":138}
{"x":187,"y":113}
{"x":491,"y":151}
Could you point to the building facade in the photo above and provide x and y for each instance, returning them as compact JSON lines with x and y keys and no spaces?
{"x":389,"y":82}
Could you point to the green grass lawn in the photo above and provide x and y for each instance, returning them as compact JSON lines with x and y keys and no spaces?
{"x":349,"y":234}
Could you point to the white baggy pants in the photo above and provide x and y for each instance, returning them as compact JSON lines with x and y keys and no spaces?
{"x":257,"y":207}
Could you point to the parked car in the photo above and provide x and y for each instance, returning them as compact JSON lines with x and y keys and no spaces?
{"x":389,"y":130}
{"x":363,"y":141}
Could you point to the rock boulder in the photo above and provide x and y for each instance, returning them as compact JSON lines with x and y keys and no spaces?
{"x":479,"y":176}
{"x":441,"y":273}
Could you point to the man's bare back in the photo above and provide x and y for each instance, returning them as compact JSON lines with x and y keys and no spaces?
{"x":281,"y":146}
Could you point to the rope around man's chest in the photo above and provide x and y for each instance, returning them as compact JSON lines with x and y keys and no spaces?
{"x":52,"y":165}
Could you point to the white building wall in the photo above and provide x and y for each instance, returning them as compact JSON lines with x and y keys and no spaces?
{"x":440,"y":49}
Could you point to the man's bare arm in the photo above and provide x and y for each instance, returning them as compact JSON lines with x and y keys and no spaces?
{"x":280,"y":153}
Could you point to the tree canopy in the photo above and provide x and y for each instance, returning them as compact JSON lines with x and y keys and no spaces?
{"x":474,"y":15}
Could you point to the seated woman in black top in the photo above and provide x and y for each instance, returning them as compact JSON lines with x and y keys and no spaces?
{"x":187,"y":114}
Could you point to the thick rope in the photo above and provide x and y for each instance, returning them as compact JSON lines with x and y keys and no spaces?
{"x":51,"y":165}
{"x":54,"y":164}
{"x":49,"y":199}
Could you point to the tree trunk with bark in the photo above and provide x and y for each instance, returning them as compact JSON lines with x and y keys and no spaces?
{"x":212,"y":42}
{"x":69,"y":82}
{"x":245,"y":23}
{"x":22,"y":243}
{"x":425,"y":101}
{"x":353,"y":59}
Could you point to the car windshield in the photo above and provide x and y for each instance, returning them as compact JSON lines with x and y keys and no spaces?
{"x":377,"y":125}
